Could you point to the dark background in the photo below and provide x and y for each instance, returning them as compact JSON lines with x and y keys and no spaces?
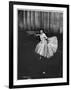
{"x":29,"y":63}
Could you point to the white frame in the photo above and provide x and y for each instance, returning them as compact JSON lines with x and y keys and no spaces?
{"x":15,"y":30}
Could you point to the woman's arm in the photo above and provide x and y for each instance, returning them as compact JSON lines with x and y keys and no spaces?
{"x":37,"y":34}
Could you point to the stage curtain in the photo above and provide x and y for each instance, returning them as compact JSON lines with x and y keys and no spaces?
{"x":36,"y":20}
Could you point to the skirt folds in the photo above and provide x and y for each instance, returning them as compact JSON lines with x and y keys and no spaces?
{"x":47,"y":48}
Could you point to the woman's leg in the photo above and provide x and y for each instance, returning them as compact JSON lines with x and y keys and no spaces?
{"x":40,"y":57}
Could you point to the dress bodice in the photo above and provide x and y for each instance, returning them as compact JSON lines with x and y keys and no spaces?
{"x":43,"y":37}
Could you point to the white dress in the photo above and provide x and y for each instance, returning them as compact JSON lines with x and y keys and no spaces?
{"x":47,"y":46}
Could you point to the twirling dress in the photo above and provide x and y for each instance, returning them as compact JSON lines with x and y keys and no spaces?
{"x":47,"y":46}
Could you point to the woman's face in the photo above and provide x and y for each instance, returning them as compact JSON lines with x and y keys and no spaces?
{"x":41,"y":31}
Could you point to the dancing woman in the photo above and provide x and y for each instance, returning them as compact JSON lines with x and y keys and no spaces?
{"x":47,"y":46}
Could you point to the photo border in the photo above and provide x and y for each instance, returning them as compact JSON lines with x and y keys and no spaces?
{"x":11,"y":83}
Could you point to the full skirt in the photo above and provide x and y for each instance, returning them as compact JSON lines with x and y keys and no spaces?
{"x":47,"y":48}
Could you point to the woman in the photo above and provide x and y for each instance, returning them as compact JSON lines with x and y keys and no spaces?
{"x":47,"y":46}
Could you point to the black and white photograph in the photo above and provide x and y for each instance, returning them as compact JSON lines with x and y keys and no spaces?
{"x":39,"y":44}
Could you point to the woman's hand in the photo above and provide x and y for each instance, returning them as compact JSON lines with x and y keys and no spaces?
{"x":46,"y":38}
